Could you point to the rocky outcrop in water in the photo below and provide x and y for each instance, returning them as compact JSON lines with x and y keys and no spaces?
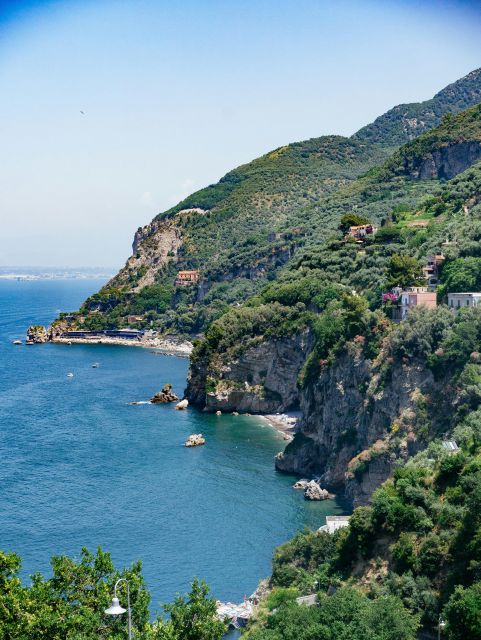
{"x":262,"y":380}
{"x":314,"y":491}
{"x":164,"y":396}
{"x":37,"y":334}
{"x":195,"y":440}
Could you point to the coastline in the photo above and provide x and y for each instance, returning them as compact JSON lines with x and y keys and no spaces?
{"x":283,"y":423}
{"x":181,"y":349}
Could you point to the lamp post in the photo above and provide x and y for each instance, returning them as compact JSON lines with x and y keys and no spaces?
{"x":441,"y":625}
{"x":116,"y":610}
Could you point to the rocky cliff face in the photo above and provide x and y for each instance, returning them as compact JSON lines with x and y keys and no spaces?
{"x":262,"y":380}
{"x":358,"y":420}
{"x":154,"y":246}
{"x":446,"y":162}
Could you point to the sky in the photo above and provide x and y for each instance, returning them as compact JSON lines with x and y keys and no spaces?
{"x":114,"y":110}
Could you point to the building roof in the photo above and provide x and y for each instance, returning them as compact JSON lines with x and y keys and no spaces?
{"x":466,"y":293}
{"x":450,"y":445}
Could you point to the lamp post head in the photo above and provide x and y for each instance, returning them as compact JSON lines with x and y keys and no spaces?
{"x":115,"y":609}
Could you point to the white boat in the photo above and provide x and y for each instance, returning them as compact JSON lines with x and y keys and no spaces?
{"x":70,"y":375}
{"x":95,"y":365}
{"x":17,"y":342}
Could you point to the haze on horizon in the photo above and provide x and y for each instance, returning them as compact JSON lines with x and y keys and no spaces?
{"x":114,"y":111}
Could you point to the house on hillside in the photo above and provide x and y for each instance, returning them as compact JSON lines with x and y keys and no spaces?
{"x":187,"y":278}
{"x":133,"y":319}
{"x":413,"y":297}
{"x":431,"y":269}
{"x":333,"y":523}
{"x":361,"y":231}
{"x":458,"y":300}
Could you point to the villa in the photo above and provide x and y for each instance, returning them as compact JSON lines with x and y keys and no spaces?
{"x":413,"y":297}
{"x":186,"y":278}
{"x":361,"y":231}
{"x":458,"y":300}
{"x":431,"y":269}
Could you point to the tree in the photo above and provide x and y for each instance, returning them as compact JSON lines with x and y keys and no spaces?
{"x":69,"y":605}
{"x":192,"y":617}
{"x":463,"y":613}
{"x":404,"y":271}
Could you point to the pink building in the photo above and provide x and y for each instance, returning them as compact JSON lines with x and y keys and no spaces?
{"x":414,"y":297}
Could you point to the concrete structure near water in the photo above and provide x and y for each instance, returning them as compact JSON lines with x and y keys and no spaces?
{"x":333,"y":523}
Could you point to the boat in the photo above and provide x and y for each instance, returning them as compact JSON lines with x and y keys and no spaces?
{"x":95,"y":365}
{"x":17,"y":342}
{"x":70,"y":375}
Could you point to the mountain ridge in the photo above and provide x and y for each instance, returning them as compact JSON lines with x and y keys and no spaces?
{"x":242,"y":230}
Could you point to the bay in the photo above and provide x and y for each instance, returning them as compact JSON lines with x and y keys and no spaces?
{"x":80,"y":466}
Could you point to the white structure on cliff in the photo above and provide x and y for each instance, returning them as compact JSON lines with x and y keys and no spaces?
{"x":333,"y":523}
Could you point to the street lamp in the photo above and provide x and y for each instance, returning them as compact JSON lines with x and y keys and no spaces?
{"x":116,"y":610}
{"x":441,"y":625}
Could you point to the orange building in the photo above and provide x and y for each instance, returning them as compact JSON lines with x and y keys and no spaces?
{"x":186,"y":278}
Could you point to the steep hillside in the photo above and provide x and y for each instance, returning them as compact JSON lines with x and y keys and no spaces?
{"x":239,"y":232}
{"x":407,"y":121}
{"x":413,"y":556}
{"x":372,"y":393}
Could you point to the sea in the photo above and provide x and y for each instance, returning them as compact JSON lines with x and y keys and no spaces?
{"x":82,"y":467}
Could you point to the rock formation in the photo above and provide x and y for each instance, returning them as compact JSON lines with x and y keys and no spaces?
{"x":164,"y":396}
{"x":314,"y":491}
{"x":37,"y":334}
{"x":262,"y":380}
{"x":183,"y":404}
{"x":195,"y":440}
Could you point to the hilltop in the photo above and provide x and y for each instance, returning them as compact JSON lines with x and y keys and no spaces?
{"x":241,"y":231}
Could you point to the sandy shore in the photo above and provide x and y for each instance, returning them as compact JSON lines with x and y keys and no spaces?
{"x":284,"y":423}
{"x":181,"y":349}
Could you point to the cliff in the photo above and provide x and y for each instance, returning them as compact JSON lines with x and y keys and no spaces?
{"x":263,"y":379}
{"x":358,"y":422}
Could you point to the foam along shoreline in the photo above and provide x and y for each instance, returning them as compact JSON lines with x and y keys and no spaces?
{"x":284,"y":423}
{"x":181,"y":349}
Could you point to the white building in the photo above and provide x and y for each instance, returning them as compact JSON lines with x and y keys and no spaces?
{"x":458,"y":300}
{"x":333,"y":523}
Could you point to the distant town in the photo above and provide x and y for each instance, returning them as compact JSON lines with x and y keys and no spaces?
{"x":55,"y":273}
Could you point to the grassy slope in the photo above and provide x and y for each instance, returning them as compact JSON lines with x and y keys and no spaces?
{"x":292,"y":188}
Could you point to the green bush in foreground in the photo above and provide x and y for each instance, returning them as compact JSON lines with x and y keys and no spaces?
{"x":70,"y":604}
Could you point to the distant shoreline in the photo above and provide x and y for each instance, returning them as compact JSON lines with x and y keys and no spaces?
{"x":182,"y":349}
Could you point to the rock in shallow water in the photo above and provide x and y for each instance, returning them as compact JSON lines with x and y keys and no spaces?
{"x":165,"y":395}
{"x":37,"y":334}
{"x":300,"y":484}
{"x":195,"y":440}
{"x":314,"y":491}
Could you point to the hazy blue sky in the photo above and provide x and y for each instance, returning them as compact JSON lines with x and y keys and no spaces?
{"x":177,"y":93}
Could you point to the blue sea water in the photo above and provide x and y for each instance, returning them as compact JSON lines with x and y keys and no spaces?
{"x":79,"y":466}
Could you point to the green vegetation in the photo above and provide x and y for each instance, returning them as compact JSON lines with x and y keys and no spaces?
{"x":288,"y":207}
{"x":413,"y":555}
{"x":346,"y":615}
{"x":70,"y":605}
